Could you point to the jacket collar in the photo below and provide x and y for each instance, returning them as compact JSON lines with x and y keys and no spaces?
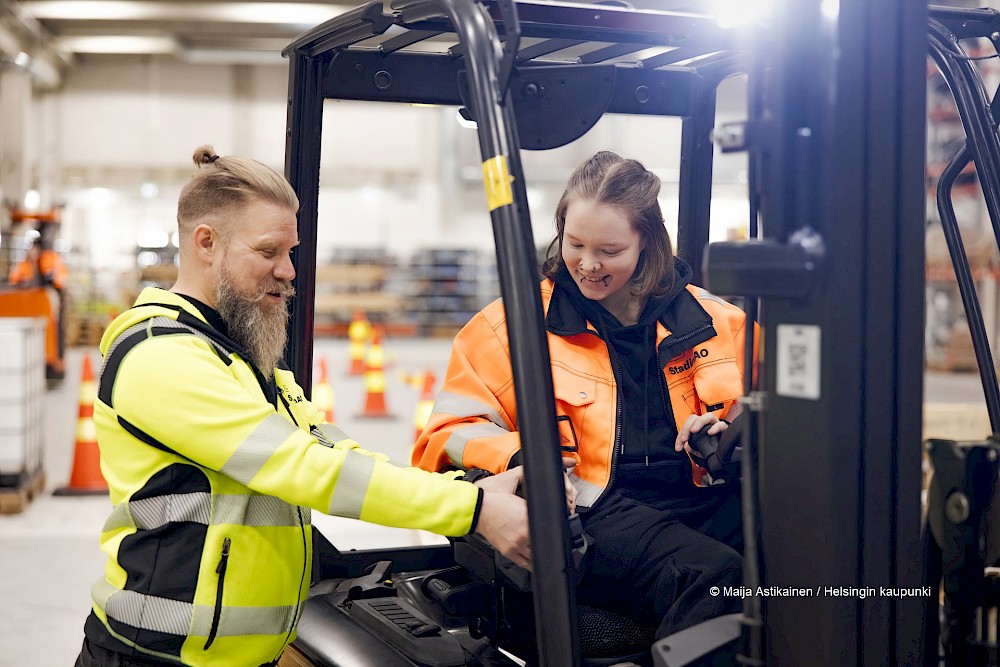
{"x":686,"y":323}
{"x":203,"y":318}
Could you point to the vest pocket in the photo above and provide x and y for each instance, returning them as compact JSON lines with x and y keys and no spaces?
{"x":221,"y":570}
{"x":573,"y":394}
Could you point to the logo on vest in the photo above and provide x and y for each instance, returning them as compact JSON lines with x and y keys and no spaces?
{"x":695,"y":354}
{"x":290,"y":397}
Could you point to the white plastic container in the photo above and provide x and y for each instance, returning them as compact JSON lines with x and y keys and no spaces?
{"x":22,"y":398}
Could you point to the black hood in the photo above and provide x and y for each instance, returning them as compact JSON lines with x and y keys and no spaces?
{"x":569,"y":310}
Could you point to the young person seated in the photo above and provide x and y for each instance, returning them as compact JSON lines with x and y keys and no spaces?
{"x":640,"y":359}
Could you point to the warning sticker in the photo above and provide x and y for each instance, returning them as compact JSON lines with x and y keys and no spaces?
{"x":497,"y":178}
{"x":798,"y":361}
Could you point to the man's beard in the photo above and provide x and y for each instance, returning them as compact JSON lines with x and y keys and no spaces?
{"x":259,"y":327}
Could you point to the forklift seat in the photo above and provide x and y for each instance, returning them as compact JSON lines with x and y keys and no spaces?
{"x":606,"y":637}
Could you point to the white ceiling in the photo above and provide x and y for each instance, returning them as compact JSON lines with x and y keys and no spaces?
{"x":54,"y":33}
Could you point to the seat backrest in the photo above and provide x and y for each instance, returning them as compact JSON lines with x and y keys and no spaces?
{"x":606,"y":637}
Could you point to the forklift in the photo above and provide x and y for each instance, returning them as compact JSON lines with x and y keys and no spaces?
{"x":35,"y":285}
{"x":830,"y":452}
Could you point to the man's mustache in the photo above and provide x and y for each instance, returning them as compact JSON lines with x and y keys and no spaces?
{"x":282,"y":289}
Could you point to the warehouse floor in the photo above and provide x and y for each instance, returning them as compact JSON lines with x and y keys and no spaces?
{"x":49,"y":554}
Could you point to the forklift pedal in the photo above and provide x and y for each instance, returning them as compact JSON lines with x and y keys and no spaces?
{"x":403,"y":627}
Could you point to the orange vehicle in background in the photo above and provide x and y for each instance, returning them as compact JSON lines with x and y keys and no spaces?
{"x":35,"y":289}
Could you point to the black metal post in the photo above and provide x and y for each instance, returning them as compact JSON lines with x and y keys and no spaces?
{"x":967,"y":285}
{"x":302,"y":158}
{"x":554,"y":596}
{"x":695,"y":184}
{"x":840,"y":446}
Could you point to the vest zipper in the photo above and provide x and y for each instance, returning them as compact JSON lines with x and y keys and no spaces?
{"x":613,"y":360}
{"x":288,"y":408}
{"x":676,"y":340}
{"x":221,"y":570}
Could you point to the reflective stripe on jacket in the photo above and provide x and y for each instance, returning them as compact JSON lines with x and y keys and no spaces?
{"x":474,"y":421}
{"x":212,"y":472}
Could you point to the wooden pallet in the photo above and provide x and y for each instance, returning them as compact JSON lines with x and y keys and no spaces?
{"x":13,"y":499}
{"x":292,"y":657}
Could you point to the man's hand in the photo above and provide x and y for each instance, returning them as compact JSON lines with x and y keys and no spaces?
{"x":508,"y":481}
{"x":694,"y":424}
{"x":511,"y":481}
{"x":503,"y":518}
{"x":503,"y":521}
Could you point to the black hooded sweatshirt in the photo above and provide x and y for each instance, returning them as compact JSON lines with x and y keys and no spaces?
{"x":647,"y":468}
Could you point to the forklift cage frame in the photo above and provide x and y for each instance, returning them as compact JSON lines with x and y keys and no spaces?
{"x":367,"y":55}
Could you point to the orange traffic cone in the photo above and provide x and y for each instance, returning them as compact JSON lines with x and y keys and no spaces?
{"x":375,"y":381}
{"x":322,"y":393}
{"x":86,"y":477}
{"x":358,"y":333}
{"x":425,"y":405}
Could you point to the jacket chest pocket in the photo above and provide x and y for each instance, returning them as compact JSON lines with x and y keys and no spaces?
{"x":680,"y":387}
{"x":574,"y":397}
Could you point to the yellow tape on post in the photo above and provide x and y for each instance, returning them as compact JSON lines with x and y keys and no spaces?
{"x":497,"y":178}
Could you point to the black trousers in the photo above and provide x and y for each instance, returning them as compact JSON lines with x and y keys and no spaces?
{"x":662,"y":565}
{"x":93,"y":655}
{"x":96,"y":656}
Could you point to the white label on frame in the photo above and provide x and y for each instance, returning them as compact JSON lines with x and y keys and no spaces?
{"x":798,"y":360}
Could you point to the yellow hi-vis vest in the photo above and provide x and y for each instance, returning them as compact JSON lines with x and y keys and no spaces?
{"x":212,"y":471}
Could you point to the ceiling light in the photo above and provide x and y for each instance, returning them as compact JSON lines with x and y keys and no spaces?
{"x":32,"y":199}
{"x":118,"y":44}
{"x":209,"y":12}
{"x":740,"y":13}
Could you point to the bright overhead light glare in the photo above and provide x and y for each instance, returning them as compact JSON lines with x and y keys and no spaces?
{"x":151,"y":238}
{"x":22,"y":59}
{"x":740,"y":13}
{"x":119,"y":44}
{"x":148,"y":190}
{"x":830,"y":9}
{"x":208,"y":12}
{"x":32,"y":199}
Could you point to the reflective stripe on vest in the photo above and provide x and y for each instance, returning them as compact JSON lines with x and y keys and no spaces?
{"x":239,"y":509}
{"x":257,"y":449}
{"x":587,"y":493}
{"x":149,"y":612}
{"x":461,"y":435}
{"x":328,"y":434}
{"x":352,"y":485}
{"x":450,"y":403}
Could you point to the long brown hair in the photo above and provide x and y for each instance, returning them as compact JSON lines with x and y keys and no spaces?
{"x":607,"y":178}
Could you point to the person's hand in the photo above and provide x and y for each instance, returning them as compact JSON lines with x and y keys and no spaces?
{"x":568,"y":464}
{"x":510,"y":481}
{"x":503,"y":521}
{"x":694,"y":424}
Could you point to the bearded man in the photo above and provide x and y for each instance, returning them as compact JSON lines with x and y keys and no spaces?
{"x":214,"y":457}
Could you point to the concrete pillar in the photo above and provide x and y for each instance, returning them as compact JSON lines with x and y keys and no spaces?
{"x":17,"y":151}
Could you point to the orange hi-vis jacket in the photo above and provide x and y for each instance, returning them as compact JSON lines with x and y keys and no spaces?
{"x":47,"y":270}
{"x":474,"y":421}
